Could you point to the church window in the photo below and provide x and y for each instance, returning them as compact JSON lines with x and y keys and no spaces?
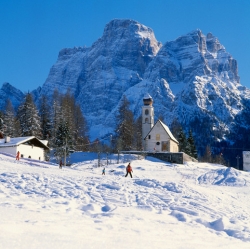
{"x":165,"y":146}
{"x":149,"y":136}
{"x":158,"y":137}
{"x":146,"y":112}
{"x":146,"y":120}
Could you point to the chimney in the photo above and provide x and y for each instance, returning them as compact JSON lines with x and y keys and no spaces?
{"x":7,"y":139}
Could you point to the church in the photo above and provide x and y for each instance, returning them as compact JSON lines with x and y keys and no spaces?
{"x":155,"y":137}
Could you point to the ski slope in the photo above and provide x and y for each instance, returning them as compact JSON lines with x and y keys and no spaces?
{"x":191,"y":206}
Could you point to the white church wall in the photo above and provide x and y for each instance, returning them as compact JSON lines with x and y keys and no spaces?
{"x":173,"y":146}
{"x":157,"y":135}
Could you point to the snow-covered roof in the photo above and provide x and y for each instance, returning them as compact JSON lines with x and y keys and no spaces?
{"x":44,"y":142}
{"x":165,"y":127}
{"x":168,"y":131}
{"x":147,"y":96}
{"x":15,"y":141}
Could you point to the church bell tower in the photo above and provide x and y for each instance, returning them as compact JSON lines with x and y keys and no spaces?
{"x":147,"y":117}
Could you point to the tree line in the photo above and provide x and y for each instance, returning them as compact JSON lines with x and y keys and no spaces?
{"x":60,"y":121}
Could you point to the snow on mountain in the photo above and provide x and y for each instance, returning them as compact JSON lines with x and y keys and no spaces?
{"x":192,"y":79}
{"x":191,"y":206}
{"x":9,"y":92}
{"x":99,"y":75}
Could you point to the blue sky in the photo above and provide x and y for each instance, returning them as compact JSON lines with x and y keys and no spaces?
{"x":34,"y":31}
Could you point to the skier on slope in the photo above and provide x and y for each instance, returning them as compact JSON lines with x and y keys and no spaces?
{"x":60,"y":164}
{"x":103,"y":171}
{"x":18,"y":155}
{"x":129,"y":170}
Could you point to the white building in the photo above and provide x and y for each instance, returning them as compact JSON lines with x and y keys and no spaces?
{"x":155,"y":137}
{"x":29,"y":147}
{"x":246,"y":160}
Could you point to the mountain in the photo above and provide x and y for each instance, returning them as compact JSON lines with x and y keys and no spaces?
{"x":98,"y":76}
{"x":193,"y":80}
{"x":10,"y":92}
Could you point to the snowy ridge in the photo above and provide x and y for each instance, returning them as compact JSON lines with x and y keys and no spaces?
{"x":203,"y":204}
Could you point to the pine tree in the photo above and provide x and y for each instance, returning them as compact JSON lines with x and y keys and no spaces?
{"x":67,"y":108}
{"x":80,"y":130}
{"x":124,"y":128}
{"x":55,"y":116}
{"x":138,"y":134}
{"x":63,"y":141}
{"x":12,"y":127}
{"x":46,"y":125}
{"x":182,"y":141}
{"x":207,"y":157}
{"x":29,"y":118}
{"x":192,"y":151}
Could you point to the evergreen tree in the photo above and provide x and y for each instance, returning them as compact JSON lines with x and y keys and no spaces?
{"x":45,"y":117}
{"x":29,"y":118}
{"x":67,"y":108}
{"x":80,"y":130}
{"x":138,"y":134}
{"x":182,"y":141}
{"x":55,"y":116}
{"x":124,"y":130}
{"x":12,"y":127}
{"x":207,"y":157}
{"x":63,"y":141}
{"x":191,"y":146}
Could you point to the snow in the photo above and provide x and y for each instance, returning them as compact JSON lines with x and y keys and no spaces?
{"x":195,"y":205}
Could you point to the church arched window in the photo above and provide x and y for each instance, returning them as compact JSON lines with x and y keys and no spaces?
{"x":146,"y":120}
{"x":146,"y":112}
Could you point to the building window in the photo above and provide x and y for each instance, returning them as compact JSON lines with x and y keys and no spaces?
{"x":149,"y":136}
{"x":164,"y":146}
{"x":146,"y":112}
{"x":158,"y":137}
{"x":146,"y":120}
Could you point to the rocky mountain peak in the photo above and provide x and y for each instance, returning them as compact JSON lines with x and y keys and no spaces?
{"x":213,"y":44}
{"x":126,"y":32}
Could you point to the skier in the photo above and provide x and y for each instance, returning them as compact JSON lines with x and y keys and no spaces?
{"x":103,"y":171}
{"x":60,"y":164}
{"x":18,"y":155}
{"x":129,"y":170}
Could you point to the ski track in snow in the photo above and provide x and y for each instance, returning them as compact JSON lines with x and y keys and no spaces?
{"x":191,"y":193}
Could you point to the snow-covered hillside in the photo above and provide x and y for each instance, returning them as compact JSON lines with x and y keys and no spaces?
{"x":191,"y":206}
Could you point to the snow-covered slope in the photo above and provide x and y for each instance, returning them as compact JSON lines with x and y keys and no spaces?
{"x":191,"y":206}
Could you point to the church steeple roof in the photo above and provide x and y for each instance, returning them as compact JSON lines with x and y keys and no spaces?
{"x":147,"y":99}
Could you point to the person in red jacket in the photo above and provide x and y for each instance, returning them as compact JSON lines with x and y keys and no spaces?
{"x":129,"y":170}
{"x":18,"y":155}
